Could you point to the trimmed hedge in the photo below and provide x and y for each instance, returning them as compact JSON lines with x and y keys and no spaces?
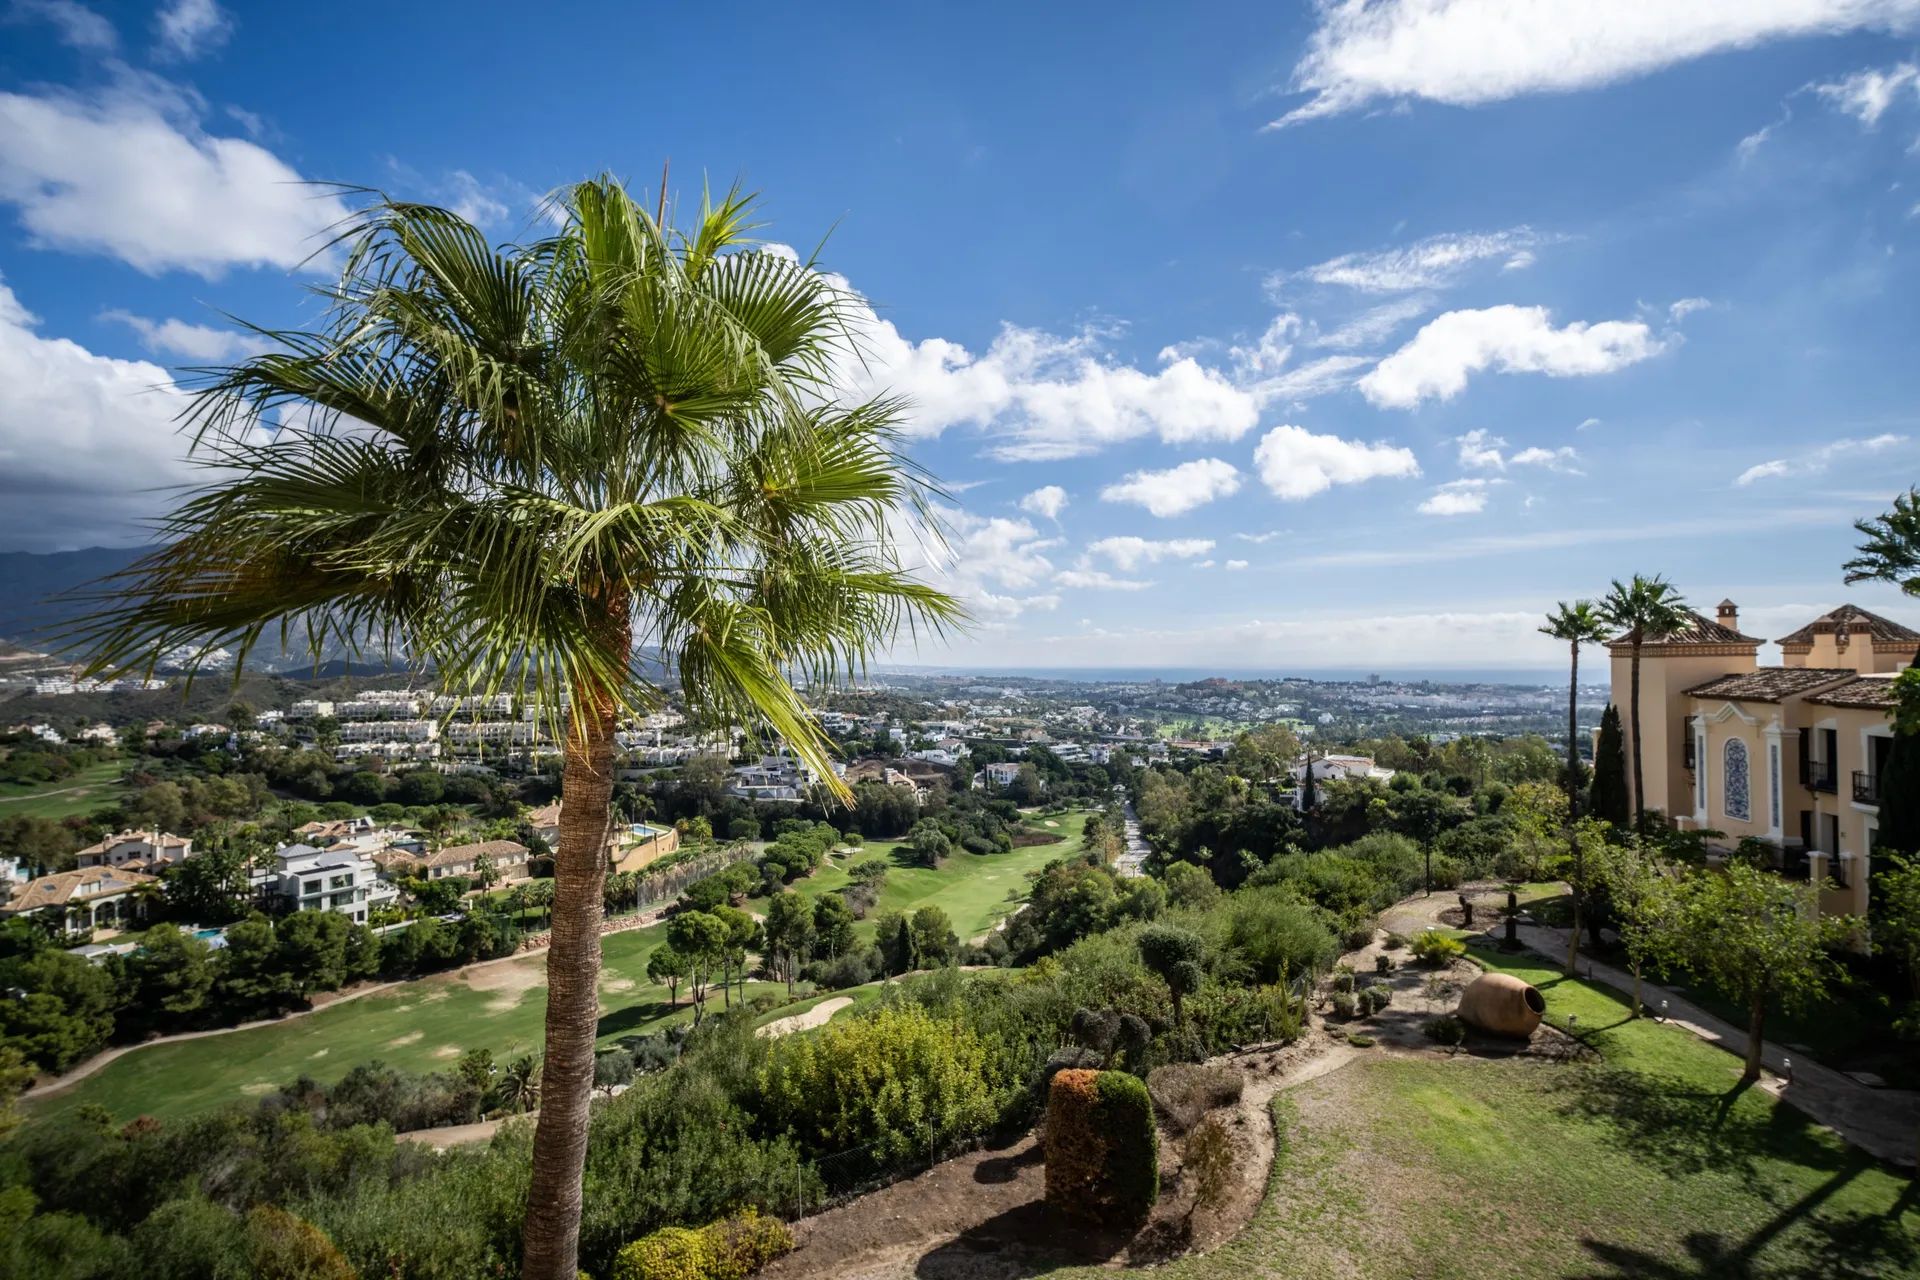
{"x":1102,"y":1150}
{"x":730,"y":1249}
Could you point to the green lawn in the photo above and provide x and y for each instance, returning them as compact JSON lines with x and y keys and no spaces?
{"x":94,"y":787}
{"x":426,"y":1024}
{"x":975,"y":890}
{"x":1651,"y":1164}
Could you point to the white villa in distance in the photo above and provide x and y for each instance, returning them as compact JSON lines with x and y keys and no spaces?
{"x":1326,"y":768}
{"x":137,"y":851}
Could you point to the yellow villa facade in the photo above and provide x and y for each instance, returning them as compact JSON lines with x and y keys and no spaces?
{"x":1788,"y":754}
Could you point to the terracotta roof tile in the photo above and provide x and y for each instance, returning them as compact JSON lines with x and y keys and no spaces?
{"x":1769,"y":684}
{"x":1856,"y":620}
{"x":1701,"y":630}
{"x":1862,"y":691}
{"x":60,"y":888}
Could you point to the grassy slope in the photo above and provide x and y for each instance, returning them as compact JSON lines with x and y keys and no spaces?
{"x":423,"y":1025}
{"x":94,"y":787}
{"x":1652,"y":1165}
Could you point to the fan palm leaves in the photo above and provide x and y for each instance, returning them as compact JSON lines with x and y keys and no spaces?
{"x":516,"y":465}
{"x":1577,"y":623}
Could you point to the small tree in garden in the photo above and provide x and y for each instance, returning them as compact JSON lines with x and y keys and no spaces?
{"x":1647,"y":906}
{"x":1209,"y":1159}
{"x":701,"y":938}
{"x":1896,"y":918}
{"x":1537,"y":812}
{"x":1760,"y":938}
{"x":1585,"y":871}
{"x":1175,"y":955}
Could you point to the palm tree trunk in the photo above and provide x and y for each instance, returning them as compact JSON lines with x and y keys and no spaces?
{"x":1573,"y":735}
{"x":1639,"y":791}
{"x":551,"y":1237}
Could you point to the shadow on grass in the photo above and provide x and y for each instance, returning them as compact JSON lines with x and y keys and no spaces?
{"x":635,"y":1015}
{"x":1686,"y":1128}
{"x":1026,"y":1240}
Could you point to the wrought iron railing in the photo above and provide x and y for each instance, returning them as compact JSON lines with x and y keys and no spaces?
{"x":1817,"y":774}
{"x":1866,"y":787}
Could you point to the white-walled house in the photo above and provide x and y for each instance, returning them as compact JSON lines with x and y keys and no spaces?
{"x":341,"y":879}
{"x":1326,"y":768}
{"x":89,"y":898}
{"x":136,"y":851}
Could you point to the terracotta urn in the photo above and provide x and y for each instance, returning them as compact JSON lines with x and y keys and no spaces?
{"x":1502,"y":1005}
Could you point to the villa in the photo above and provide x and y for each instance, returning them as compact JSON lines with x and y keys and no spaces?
{"x":1789,"y":754}
{"x":89,"y":898}
{"x":340,"y":878}
{"x":136,"y":851}
{"x":508,"y":858}
{"x":1329,"y":767}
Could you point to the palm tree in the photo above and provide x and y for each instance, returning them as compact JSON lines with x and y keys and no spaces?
{"x":519,"y":1086}
{"x":1577,"y":623}
{"x":1891,"y":552}
{"x":518,"y":464}
{"x":1646,"y":609}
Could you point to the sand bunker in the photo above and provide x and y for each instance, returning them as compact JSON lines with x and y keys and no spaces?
{"x":814,"y":1017}
{"x":509,"y":982}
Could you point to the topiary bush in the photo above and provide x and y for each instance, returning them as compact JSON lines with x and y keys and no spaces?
{"x":1383,"y":964}
{"x":1360,"y":1041}
{"x":1345,"y":1004}
{"x":1102,"y":1150}
{"x":1446,"y":1030}
{"x":1379,"y":995}
{"x":1185,"y":1092}
{"x":1434,"y":947}
{"x":1343,"y":981}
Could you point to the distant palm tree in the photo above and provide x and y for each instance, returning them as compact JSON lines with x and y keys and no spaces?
{"x":1577,"y":623}
{"x":515,"y":465}
{"x":519,"y":1086}
{"x":1647,"y":610}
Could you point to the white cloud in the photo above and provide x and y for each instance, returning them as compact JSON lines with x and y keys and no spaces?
{"x":1565,"y":458}
{"x":1587,"y":424}
{"x":1329,"y":638}
{"x":1127,"y":553}
{"x":1270,"y":351}
{"x":1178,"y":489}
{"x":1375,"y":325}
{"x":1469,"y":52}
{"x":1818,"y":460}
{"x":84,"y":439}
{"x":1457,"y":498}
{"x":1295,"y":463}
{"x":189,"y":28}
{"x":1685,"y":307}
{"x":1480,"y":451}
{"x":197,"y":342}
{"x":1431,"y":263}
{"x":1049,"y":500}
{"x":1507,"y":339}
{"x":133,"y":175}
{"x":1234,"y":565}
{"x":1261,"y":539}
{"x":1866,"y":95}
{"x":78,"y":25}
{"x":993,"y":564}
{"x":1099,"y":580}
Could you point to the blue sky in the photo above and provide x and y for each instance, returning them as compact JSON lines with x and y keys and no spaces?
{"x":1283,"y":337}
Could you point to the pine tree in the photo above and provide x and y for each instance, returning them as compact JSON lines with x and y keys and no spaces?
{"x":1608,"y":800}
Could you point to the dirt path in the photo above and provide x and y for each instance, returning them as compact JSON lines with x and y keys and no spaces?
{"x":814,"y":1017}
{"x":460,"y":1135}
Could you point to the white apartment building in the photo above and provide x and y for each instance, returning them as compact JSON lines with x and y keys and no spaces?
{"x":389,"y":731}
{"x":310,"y":709}
{"x":380,"y":704}
{"x":476,"y":735}
{"x":492,"y":706}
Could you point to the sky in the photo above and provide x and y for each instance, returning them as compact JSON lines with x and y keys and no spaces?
{"x":1264,"y":336}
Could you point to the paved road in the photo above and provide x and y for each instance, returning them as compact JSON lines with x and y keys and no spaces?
{"x":1133,"y":861}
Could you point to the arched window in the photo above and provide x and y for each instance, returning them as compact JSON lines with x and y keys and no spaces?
{"x":1733,"y":780}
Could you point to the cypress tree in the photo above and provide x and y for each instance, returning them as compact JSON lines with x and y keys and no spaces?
{"x":1608,"y":800}
{"x":1900,"y":797}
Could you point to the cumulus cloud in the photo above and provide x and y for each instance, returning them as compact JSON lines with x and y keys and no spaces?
{"x":189,"y":28}
{"x":133,"y":175}
{"x":85,"y":440}
{"x":1049,"y":500}
{"x":1178,"y":489}
{"x":1127,"y":553}
{"x":1457,"y":498}
{"x":196,"y":342}
{"x":1470,"y":52}
{"x":1816,"y":461}
{"x":1261,"y":539}
{"x":1480,"y":450}
{"x":1234,"y":565}
{"x":1295,"y":463}
{"x":1866,"y":95}
{"x":1506,"y":339}
{"x":1431,"y":263}
{"x":996,"y":566}
{"x":1565,"y":458}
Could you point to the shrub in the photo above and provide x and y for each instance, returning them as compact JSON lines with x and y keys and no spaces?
{"x":1345,"y":1004}
{"x":1395,"y":941}
{"x":1356,"y":934}
{"x":1360,"y":1042}
{"x":746,"y":1242}
{"x":1343,"y":981}
{"x":1383,"y":964}
{"x":1102,"y":1149}
{"x":1380,"y":994}
{"x":285,"y":1247}
{"x":1434,"y":947}
{"x":1446,"y":1030}
{"x":1184,"y":1092}
{"x":671,"y":1253}
{"x":1209,"y":1159}
{"x":1277,"y":933}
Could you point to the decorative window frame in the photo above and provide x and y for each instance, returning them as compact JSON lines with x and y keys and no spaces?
{"x":1736,"y":780}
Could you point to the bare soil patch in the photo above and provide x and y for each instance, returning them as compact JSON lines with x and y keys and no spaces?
{"x":508,"y":982}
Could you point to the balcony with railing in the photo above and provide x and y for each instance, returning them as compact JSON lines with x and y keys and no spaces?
{"x":1866,"y":787}
{"x":1817,"y":775}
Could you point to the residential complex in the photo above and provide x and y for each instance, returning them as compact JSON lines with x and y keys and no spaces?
{"x":1787,"y":754}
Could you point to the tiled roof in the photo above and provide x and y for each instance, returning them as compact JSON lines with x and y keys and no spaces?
{"x":1857,"y":621}
{"x":498,"y":850}
{"x":1769,"y":684}
{"x":158,"y":839}
{"x":1863,"y":691}
{"x":1701,"y":630}
{"x":58,"y":889}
